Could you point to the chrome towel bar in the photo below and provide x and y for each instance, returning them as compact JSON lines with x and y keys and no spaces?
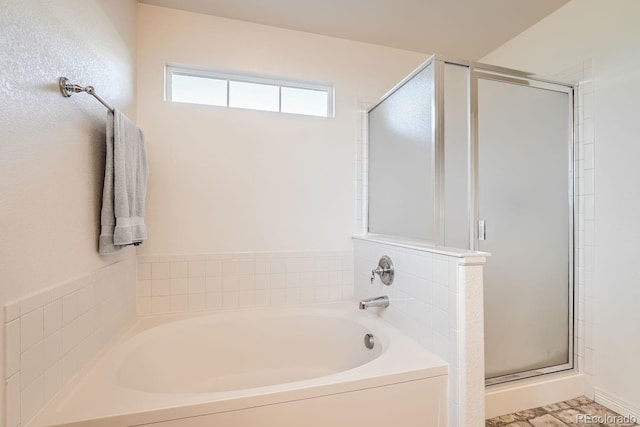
{"x":67,"y":89}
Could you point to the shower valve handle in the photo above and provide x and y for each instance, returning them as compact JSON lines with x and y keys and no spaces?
{"x":384,"y":270}
{"x":379,"y":271}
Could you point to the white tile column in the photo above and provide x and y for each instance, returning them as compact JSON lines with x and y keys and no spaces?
{"x":470,"y":346}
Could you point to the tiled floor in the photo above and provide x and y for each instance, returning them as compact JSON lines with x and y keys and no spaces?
{"x":578,"y":412}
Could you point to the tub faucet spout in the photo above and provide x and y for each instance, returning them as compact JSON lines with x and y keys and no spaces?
{"x":382,"y":301}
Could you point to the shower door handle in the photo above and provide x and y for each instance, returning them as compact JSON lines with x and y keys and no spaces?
{"x":482,"y":230}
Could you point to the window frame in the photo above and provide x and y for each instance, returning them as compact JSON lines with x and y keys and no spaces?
{"x":172,"y":69}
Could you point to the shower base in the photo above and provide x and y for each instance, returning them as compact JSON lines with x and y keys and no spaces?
{"x":533,"y":392}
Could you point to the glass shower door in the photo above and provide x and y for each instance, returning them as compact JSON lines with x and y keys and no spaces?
{"x":524,"y":196}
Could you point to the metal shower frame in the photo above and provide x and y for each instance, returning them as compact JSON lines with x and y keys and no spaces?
{"x":475,"y":71}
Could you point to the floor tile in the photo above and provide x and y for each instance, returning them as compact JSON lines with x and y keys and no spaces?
{"x":532,"y":413}
{"x":509,"y":418}
{"x":575,"y":402}
{"x":569,"y":416}
{"x":556,"y":407}
{"x":560,"y":414}
{"x":583,"y":400}
{"x":547,"y":420}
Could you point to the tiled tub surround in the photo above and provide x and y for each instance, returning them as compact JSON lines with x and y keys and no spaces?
{"x":436,"y":298}
{"x":193,"y":283}
{"x":52,"y":334}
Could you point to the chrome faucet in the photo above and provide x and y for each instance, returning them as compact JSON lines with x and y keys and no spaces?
{"x":382,"y":301}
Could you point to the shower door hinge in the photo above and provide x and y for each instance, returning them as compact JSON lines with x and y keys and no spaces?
{"x":482,"y":230}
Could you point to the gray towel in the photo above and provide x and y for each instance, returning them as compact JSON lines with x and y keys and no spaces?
{"x":125,"y":186}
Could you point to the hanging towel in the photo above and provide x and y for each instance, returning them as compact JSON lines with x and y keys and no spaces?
{"x":125,"y":186}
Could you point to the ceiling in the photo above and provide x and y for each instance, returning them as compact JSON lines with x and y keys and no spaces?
{"x":465,"y":29}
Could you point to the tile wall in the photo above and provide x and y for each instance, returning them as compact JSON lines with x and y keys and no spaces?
{"x":362,"y":167}
{"x":436,"y":298}
{"x":192,"y":283}
{"x":52,"y":334}
{"x":586,"y":229}
{"x":584,"y":219}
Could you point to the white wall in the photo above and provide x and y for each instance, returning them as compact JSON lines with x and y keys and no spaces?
{"x":230,"y":180}
{"x":608,"y":34}
{"x":51,"y":155}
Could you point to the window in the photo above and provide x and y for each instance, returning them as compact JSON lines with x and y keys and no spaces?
{"x":251,"y":91}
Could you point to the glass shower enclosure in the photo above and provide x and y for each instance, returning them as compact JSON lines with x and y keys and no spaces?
{"x":472,"y":156}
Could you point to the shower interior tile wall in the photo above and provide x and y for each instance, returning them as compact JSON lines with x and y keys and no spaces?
{"x":190,"y":283}
{"x":584,"y":220}
{"x":52,"y":334}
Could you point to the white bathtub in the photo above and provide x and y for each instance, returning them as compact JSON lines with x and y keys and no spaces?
{"x":265,"y":367}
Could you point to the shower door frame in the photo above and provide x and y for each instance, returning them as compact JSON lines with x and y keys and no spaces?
{"x":477,"y":70}
{"x":481,"y":71}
